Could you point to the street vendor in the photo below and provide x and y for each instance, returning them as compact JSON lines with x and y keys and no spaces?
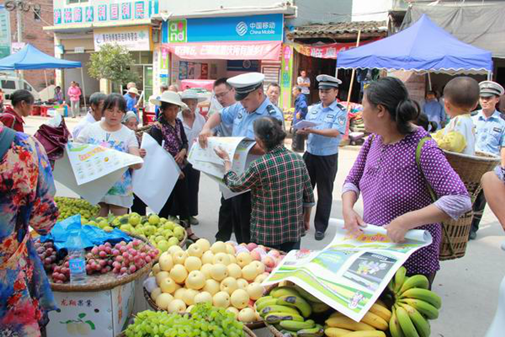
{"x":323,"y":140}
{"x":489,"y":137}
{"x":394,"y":188}
{"x":253,"y":105}
{"x":281,"y":191}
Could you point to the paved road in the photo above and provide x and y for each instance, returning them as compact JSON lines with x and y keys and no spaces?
{"x":468,"y":286}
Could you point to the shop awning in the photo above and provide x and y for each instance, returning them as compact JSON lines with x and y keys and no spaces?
{"x":327,"y":51}
{"x":251,"y":50}
{"x":340,"y":30}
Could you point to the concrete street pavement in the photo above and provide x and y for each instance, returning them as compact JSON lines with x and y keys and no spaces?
{"x":468,"y":286}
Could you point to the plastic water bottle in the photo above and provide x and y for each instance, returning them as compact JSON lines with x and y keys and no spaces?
{"x":76,"y":256}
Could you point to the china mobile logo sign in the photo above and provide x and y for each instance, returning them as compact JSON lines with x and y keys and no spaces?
{"x":241,"y":28}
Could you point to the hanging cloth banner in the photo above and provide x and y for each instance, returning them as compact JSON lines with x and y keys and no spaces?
{"x":250,"y":50}
{"x":327,"y":51}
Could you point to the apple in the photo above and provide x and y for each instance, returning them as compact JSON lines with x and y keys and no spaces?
{"x":274,"y":253}
{"x":179,"y":293}
{"x":155,"y":293}
{"x":243,"y":259}
{"x":177,"y":306}
{"x":179,"y":232}
{"x":164,"y":300}
{"x":173,"y":242}
{"x":219,"y":272}
{"x":239,"y":298}
{"x":167,"y":285}
{"x":195,"y":250}
{"x":247,"y":315}
{"x":255,"y":290}
{"x":251,"y":246}
{"x":233,"y":243}
{"x":218,"y":247}
{"x":161,"y":276}
{"x":179,"y":273}
{"x":192,"y":263}
{"x":241,"y":249}
{"x":230,"y":249}
{"x":234,"y":270}
{"x":206,"y":270}
{"x":233,"y":259}
{"x":179,"y":257}
{"x":233,"y":310}
{"x":156,"y":269}
{"x":188,"y":309}
{"x":249,"y":272}
{"x":204,"y":244}
{"x":166,"y":262}
{"x":261,"y":278}
{"x":203,"y":297}
{"x":268,"y":261}
{"x":195,"y":280}
{"x":174,"y":249}
{"x":189,"y":296}
{"x":221,"y":300}
{"x":207,"y":257}
{"x":211,"y":286}
{"x":221,"y":258}
{"x":242,"y":284}
{"x":255,"y":255}
{"x":260,"y":267}
{"x":229,"y":285}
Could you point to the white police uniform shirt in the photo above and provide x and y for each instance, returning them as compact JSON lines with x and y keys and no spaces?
{"x":243,"y":121}
{"x":489,"y":132}
{"x":332,"y":117}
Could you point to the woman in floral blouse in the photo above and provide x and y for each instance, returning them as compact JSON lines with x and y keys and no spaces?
{"x":26,"y":200}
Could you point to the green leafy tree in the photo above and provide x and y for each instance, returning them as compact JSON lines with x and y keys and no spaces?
{"x":113,"y":63}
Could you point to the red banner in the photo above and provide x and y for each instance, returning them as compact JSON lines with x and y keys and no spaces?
{"x":327,"y":51}
{"x":257,"y":50}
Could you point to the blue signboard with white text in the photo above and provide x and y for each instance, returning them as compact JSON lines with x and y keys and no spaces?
{"x":267,"y":27}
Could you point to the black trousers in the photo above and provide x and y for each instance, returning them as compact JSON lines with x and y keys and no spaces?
{"x":138,"y":206}
{"x":298,"y":144}
{"x":181,"y":196}
{"x":193,"y":177}
{"x":225,"y":221}
{"x":322,"y":172}
{"x":287,"y":246}
{"x":478,"y":211}
{"x":241,"y":205}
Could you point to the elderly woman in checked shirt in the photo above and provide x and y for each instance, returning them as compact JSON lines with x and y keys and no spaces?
{"x":282,"y":195}
{"x":394,"y":188}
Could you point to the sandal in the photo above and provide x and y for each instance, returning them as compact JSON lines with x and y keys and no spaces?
{"x":193,"y":237}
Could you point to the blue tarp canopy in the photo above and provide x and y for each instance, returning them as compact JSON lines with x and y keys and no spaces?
{"x":30,"y":58}
{"x":422,"y":47}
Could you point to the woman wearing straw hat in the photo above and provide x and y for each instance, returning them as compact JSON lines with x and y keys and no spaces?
{"x":193,"y":123}
{"x":169,"y":133}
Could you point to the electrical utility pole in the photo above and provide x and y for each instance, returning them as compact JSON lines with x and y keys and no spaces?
{"x":19,"y":23}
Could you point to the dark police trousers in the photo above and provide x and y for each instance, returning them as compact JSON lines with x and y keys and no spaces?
{"x":225,"y":221}
{"x":478,"y":210}
{"x":241,"y":205}
{"x":322,"y":172}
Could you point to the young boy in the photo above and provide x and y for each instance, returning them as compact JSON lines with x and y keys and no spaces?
{"x":461,"y":98}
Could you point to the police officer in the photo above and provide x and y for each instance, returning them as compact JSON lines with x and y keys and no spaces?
{"x":321,"y":156}
{"x":253,"y":104}
{"x":490,"y":137}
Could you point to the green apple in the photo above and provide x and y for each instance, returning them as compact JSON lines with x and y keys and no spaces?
{"x":163,"y":245}
{"x":173,"y":241}
{"x":179,"y":232}
{"x":154,"y":219}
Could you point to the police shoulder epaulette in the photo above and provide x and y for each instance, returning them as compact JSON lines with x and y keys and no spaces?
{"x":270,"y":110}
{"x":340,"y":106}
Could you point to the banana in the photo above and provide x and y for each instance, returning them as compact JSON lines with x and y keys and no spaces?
{"x":416,"y":281}
{"x":425,"y":308}
{"x":319,"y":308}
{"x":345,"y":322}
{"x":263,"y":299}
{"x":408,"y":327}
{"x":298,"y":302}
{"x":316,"y":331}
{"x":394,"y":326}
{"x":424,"y":295}
{"x":336,"y":332}
{"x":375,"y":321}
{"x":295,"y":326}
{"x":279,"y":308}
{"x":381,"y":303}
{"x":276,"y":317}
{"x":306,"y":295}
{"x":400,"y":277}
{"x":365,"y":334}
{"x":421,"y":324}
{"x":266,"y":303}
{"x":391,"y":285}
{"x":381,"y":311}
{"x":284,"y":291}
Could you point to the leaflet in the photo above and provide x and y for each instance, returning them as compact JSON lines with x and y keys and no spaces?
{"x":305,"y":124}
{"x":352,"y":271}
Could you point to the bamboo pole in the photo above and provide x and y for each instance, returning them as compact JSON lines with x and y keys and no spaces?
{"x":346,"y":136}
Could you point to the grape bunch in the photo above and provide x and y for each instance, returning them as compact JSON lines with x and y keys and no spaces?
{"x":47,"y":254}
{"x":204,"y":321}
{"x":61,"y":274}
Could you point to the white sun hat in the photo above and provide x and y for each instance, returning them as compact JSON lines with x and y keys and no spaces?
{"x":169,"y":97}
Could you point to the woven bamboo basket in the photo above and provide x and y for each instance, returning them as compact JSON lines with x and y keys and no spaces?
{"x":470,"y":169}
{"x":100,"y":282}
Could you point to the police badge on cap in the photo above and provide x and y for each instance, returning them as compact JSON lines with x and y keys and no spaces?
{"x":490,"y":88}
{"x":245,"y":84}
{"x":328,"y":82}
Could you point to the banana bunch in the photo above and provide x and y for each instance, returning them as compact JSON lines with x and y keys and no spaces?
{"x":289,"y":308}
{"x":414,"y":305}
{"x":373,"y":324}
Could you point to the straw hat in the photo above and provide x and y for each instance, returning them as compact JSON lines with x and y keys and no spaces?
{"x":133,"y":91}
{"x":192,"y":94}
{"x":169,"y":97}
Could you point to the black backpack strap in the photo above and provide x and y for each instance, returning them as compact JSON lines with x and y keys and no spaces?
{"x":6,"y":138}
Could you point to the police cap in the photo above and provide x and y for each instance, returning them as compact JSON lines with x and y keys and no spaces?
{"x":244,"y":84}
{"x":328,"y":82}
{"x":490,"y":88}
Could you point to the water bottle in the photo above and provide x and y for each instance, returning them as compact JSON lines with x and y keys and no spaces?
{"x":76,"y":258}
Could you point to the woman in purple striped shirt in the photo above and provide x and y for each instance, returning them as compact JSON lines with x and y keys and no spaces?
{"x":394,"y":189}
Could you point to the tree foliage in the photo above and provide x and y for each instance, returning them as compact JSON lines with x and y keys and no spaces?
{"x":113,"y":63}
